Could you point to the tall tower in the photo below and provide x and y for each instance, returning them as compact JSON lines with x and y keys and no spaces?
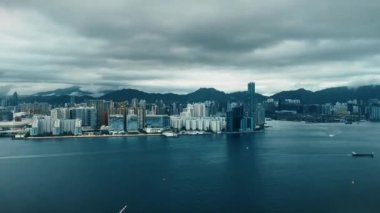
{"x":252,"y":100}
{"x":15,"y":99}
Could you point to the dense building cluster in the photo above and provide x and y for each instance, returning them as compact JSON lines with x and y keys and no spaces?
{"x":96,"y":116}
{"x":294,"y":109}
{"x":134,"y":116}
{"x":245,"y":117}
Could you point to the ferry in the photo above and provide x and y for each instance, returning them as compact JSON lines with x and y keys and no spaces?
{"x":354,"y":154}
{"x":169,"y":134}
{"x":19,"y":137}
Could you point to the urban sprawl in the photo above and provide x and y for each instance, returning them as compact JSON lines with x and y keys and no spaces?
{"x":137,"y":117}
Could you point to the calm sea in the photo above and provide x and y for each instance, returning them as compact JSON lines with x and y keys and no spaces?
{"x":292,"y":167}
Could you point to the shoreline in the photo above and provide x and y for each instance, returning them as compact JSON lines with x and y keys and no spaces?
{"x":119,"y":136}
{"x":87,"y":136}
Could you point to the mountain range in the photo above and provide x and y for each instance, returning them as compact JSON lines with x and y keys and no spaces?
{"x":330,"y":95}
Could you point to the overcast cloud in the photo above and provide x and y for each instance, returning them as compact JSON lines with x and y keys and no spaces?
{"x":179,"y":46}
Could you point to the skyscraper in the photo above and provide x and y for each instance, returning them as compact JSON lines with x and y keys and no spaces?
{"x":248,"y":122}
{"x":15,"y":99}
{"x":252,"y":100}
{"x":103,"y":109}
{"x":234,"y":118}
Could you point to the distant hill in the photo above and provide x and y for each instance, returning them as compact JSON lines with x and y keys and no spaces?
{"x":202,"y":94}
{"x":330,"y":95}
{"x":305,"y":96}
{"x":128,"y":94}
{"x":61,"y":96}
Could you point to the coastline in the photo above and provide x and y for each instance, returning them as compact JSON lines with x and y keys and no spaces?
{"x":88,"y":136}
{"x":126,"y":135}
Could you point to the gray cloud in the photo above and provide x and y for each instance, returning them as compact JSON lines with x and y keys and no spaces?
{"x":174,"y":46}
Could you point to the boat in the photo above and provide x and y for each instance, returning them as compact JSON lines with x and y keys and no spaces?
{"x":354,"y":154}
{"x":123,"y":209}
{"x":169,"y":134}
{"x":19,"y":137}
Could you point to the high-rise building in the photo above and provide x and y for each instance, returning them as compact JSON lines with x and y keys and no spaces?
{"x":132,"y":123}
{"x":41,"y":125}
{"x":157,"y":121}
{"x":260,"y":115}
{"x":252,"y":100}
{"x":103,"y":109}
{"x":87,"y":115}
{"x":60,"y":113}
{"x":234,"y":118}
{"x":116,"y":123}
{"x":6,"y":115}
{"x":248,"y":122}
{"x":141,"y":115}
{"x":66,"y":127}
{"x":14,"y":99}
{"x":35,"y":108}
{"x":134,"y":102}
{"x":199,"y":110}
{"x":374,"y":112}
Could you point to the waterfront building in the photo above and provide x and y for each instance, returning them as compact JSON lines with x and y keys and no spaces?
{"x":87,"y":115}
{"x":157,"y":121}
{"x":78,"y":127}
{"x":260,"y":115}
{"x":116,"y":123}
{"x":340,"y":109}
{"x":214,"y":124}
{"x":45,"y":125}
{"x":327,"y":109}
{"x":374,"y":112}
{"x":66,"y":127}
{"x":193,"y":124}
{"x":132,"y":123}
{"x":252,"y":99}
{"x":234,"y":118}
{"x":247,"y":124}
{"x":41,"y":125}
{"x":249,"y":118}
{"x":206,"y":124}
{"x":188,"y":125}
{"x":199,"y":124}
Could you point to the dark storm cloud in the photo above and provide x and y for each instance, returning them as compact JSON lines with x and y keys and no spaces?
{"x":164,"y":44}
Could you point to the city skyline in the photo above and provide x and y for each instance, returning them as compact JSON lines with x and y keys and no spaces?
{"x":179,"y":47}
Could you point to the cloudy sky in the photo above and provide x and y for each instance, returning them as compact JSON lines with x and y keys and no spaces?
{"x":179,"y":46}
